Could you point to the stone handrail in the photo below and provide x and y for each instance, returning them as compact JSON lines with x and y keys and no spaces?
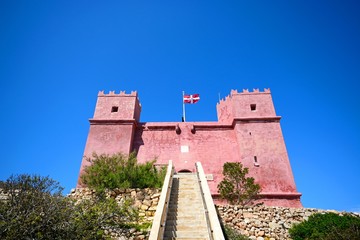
{"x":158,"y":226}
{"x":215,"y":226}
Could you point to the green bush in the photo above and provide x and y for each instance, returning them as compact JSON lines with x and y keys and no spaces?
{"x":121,"y":171}
{"x":236,"y":187}
{"x":90,"y":218}
{"x":327,"y":226}
{"x":35,"y":209}
{"x":232,"y":234}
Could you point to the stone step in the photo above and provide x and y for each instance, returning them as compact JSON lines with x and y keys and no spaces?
{"x":187,"y":221}
{"x":185,"y":191}
{"x":186,"y":209}
{"x":186,"y":228}
{"x":192,"y":192}
{"x":183,"y":221}
{"x":195,"y":203}
{"x":186,"y":234}
{"x":192,"y":238}
{"x":182,"y":175}
{"x":185,"y":180}
{"x":185,"y":184}
{"x":186,"y":198}
{"x":185,"y":216}
{"x":192,"y":212}
{"x":183,"y":188}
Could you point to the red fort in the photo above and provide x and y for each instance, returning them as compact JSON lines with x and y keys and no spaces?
{"x":247,"y":131}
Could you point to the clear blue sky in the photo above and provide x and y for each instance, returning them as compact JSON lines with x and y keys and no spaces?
{"x":56,"y":55}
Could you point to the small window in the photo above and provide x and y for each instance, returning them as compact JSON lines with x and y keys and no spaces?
{"x":114,"y":109}
{"x":253,"y":107}
{"x":256,"y":164}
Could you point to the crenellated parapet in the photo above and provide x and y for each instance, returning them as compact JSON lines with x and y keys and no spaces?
{"x":246,"y":91}
{"x":121,"y":93}
{"x":245,"y":104}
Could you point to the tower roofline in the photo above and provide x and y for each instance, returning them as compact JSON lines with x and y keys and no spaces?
{"x":121,"y":93}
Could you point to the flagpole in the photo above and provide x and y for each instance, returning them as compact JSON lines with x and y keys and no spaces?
{"x":183,"y":107}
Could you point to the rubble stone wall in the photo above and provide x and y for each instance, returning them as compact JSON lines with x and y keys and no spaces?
{"x":257,"y":222}
{"x":265,"y":223}
{"x":144,"y":200}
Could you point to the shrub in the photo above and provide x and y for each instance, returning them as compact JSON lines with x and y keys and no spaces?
{"x":91,"y":218}
{"x":236,"y":187}
{"x":328,"y":226}
{"x":232,"y":234}
{"x":34,"y":208}
{"x":121,"y":171}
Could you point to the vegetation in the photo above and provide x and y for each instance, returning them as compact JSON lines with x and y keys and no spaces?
{"x":232,"y":234}
{"x":32,"y":207}
{"x":328,"y":226}
{"x":121,"y":171}
{"x":236,"y":187}
{"x":35,"y":209}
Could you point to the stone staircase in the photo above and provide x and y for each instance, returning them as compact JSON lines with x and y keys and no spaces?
{"x":186,"y":214}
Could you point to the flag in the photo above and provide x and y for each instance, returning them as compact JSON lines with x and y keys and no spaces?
{"x":193,"y":98}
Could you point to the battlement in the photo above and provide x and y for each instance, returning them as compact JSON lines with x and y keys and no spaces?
{"x":245,"y":104}
{"x":121,"y":93}
{"x":244,"y":92}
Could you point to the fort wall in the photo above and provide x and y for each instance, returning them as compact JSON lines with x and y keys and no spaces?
{"x":247,"y":131}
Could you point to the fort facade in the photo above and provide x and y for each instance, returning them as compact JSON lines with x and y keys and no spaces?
{"x":247,"y":131}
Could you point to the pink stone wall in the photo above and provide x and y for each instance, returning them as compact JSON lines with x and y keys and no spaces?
{"x":240,"y":135}
{"x":203,"y":145}
{"x":265,"y":142}
{"x":261,"y":100}
{"x":107,"y":139}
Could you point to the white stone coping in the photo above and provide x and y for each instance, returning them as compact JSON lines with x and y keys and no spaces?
{"x":158,"y":226}
{"x":213,"y":218}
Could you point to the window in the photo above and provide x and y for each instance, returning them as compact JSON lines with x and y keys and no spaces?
{"x":256,"y":164}
{"x":253,"y":107}
{"x":114,"y":109}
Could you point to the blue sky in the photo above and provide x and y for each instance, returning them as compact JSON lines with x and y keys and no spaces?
{"x":56,"y":56}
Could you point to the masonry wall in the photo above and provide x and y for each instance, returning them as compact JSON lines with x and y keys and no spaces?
{"x":203,"y":146}
{"x":258,"y":222}
{"x":248,"y":131}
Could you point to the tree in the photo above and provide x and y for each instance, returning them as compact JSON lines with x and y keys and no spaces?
{"x":34,"y":208}
{"x":236,"y":187}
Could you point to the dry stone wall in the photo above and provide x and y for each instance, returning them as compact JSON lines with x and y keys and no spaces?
{"x":265,"y":223}
{"x":144,"y":200}
{"x":257,"y":222}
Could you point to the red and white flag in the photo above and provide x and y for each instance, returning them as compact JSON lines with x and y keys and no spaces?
{"x":193,"y":98}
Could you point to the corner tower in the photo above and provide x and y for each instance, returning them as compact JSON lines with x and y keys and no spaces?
{"x":113,"y":126}
{"x":260,"y":143}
